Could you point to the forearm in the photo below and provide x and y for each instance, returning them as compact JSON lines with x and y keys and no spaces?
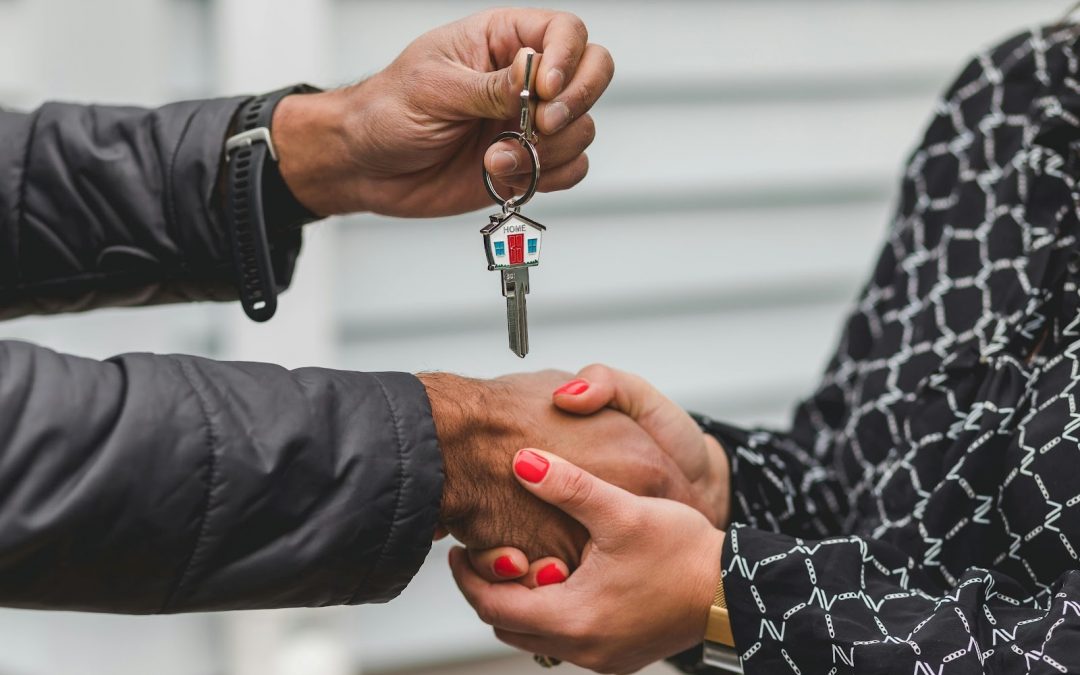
{"x":153,"y":484}
{"x":105,"y":205}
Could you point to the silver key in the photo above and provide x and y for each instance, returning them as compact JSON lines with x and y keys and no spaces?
{"x":512,"y":243}
{"x":515,"y":286}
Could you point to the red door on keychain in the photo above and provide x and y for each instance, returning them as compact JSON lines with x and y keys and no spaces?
{"x":516,"y":244}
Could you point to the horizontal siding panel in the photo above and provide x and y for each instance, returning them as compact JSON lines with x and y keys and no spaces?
{"x":15,"y":44}
{"x":659,"y":148}
{"x":429,"y":274}
{"x":738,"y":41}
{"x":171,"y":328}
{"x":746,"y":353}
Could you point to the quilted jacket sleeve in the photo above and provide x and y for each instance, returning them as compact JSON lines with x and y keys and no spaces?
{"x":103,"y":205}
{"x":150,"y":484}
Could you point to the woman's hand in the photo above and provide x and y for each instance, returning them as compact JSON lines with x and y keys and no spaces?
{"x":698,"y":455}
{"x":644,"y":587}
{"x":409,"y":141}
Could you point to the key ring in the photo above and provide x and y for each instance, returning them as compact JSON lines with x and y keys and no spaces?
{"x":527,"y":138}
{"x":519,"y":201}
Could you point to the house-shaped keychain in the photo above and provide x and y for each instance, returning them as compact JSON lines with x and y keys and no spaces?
{"x":512,"y":240}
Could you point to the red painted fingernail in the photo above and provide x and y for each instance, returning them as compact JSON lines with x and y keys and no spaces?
{"x":550,"y":575}
{"x":531,"y":466}
{"x":505,"y":567}
{"x":573,"y":388}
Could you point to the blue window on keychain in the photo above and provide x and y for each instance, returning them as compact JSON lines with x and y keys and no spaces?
{"x":500,"y":248}
{"x":532,"y":247}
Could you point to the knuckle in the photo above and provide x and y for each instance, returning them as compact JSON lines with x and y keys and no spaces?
{"x":581,"y":31}
{"x":607,"y":61}
{"x":577,"y":489}
{"x":597,"y":371}
{"x":502,"y":635}
{"x":588,"y":130}
{"x":596,"y":660}
{"x":487,"y":612}
{"x":580,"y":171}
{"x":651,"y":476}
{"x":492,"y":94}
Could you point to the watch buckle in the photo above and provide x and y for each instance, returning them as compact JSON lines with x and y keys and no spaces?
{"x":246,"y":139}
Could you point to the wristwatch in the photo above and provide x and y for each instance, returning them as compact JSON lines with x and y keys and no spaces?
{"x":719,"y":651}
{"x":258,"y":201}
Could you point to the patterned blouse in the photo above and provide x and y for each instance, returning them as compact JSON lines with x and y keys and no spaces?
{"x":922,"y":514}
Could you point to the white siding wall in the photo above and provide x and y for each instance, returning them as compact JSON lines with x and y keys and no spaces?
{"x":741,"y":183}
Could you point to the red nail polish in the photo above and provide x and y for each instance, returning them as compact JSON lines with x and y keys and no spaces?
{"x":505,"y":567}
{"x":573,"y":388}
{"x":550,"y":575}
{"x":531,"y":466}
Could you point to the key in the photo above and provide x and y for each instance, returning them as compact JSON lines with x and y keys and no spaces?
{"x":512,"y":242}
{"x":515,"y":285}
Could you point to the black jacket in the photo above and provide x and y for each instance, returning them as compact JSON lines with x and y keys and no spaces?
{"x":149,"y":483}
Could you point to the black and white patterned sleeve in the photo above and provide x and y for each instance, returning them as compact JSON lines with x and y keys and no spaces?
{"x":852,"y":604}
{"x":778,"y":481}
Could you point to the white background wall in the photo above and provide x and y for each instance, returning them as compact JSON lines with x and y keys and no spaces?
{"x":741,"y":182}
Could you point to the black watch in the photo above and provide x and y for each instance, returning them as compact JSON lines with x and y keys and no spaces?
{"x":258,"y":201}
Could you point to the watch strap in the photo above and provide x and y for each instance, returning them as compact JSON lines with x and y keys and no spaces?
{"x":257,"y":201}
{"x":718,"y":627}
{"x":719,"y":645}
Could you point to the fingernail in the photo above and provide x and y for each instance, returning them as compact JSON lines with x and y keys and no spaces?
{"x":531,"y":466}
{"x":505,"y":567}
{"x":573,"y":388}
{"x":550,"y":575}
{"x":503,"y":162}
{"x":556,"y":116}
{"x":555,"y":79}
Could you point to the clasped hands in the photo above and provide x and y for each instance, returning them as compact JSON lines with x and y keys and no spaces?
{"x":592,"y":515}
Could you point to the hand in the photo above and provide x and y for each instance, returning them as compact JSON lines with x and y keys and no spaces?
{"x":482,"y":423}
{"x":699,"y":456}
{"x":409,"y":140}
{"x":642,"y":593}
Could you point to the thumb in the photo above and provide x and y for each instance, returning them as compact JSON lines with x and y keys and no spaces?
{"x":668,"y":424}
{"x":496,"y":95}
{"x":594,"y":503}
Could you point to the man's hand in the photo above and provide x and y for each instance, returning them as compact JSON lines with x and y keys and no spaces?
{"x":409,"y":140}
{"x":481,"y":425}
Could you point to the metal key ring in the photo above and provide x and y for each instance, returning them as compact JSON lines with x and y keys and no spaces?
{"x":515,"y":202}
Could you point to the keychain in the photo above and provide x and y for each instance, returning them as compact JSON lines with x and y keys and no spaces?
{"x":512,"y":241}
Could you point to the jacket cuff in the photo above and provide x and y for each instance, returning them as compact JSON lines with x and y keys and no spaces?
{"x":195,"y":196}
{"x":117,"y":206}
{"x":419,"y":490}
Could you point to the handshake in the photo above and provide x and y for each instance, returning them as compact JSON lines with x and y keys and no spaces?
{"x":598,"y":481}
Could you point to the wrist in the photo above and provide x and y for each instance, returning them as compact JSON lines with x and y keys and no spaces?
{"x":310,"y":135}
{"x":463,"y":410}
{"x":720,"y":478}
{"x":710,"y":575}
